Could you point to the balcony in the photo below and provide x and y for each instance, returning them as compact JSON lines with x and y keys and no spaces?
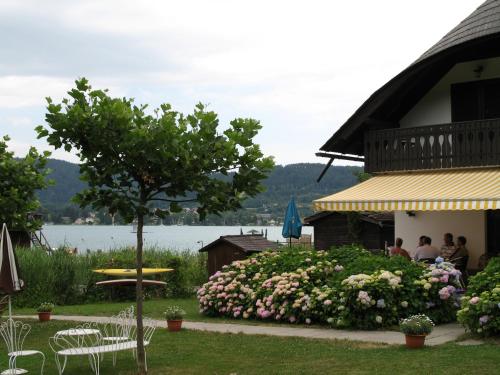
{"x":454,"y":145}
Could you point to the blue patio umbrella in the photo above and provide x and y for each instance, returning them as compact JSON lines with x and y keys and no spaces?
{"x":292,"y":226}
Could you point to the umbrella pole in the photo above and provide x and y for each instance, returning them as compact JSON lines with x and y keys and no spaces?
{"x":11,"y":326}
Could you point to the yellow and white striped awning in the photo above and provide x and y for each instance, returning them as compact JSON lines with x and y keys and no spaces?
{"x":466,"y":189}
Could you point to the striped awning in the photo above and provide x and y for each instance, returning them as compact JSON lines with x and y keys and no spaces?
{"x":469,"y":189}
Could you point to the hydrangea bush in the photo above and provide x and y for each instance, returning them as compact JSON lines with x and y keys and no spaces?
{"x":480,"y":312}
{"x":343,"y":287}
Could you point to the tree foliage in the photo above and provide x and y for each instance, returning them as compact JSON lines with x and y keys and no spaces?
{"x":164,"y":156}
{"x":20,"y":178}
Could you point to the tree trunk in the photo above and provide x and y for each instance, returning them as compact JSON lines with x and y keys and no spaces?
{"x":141,"y":357}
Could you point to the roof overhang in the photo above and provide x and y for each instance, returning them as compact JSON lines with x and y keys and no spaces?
{"x":475,"y":38}
{"x":452,"y":190}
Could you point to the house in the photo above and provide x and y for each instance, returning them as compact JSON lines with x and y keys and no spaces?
{"x":372,"y":230}
{"x":431,"y":139}
{"x":227,"y":249}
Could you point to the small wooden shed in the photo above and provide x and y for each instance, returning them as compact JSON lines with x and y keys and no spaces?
{"x":371,"y":230}
{"x":227,"y":249}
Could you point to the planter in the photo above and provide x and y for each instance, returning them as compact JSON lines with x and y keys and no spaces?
{"x":44,"y":316}
{"x":415,"y":341}
{"x":174,"y":325}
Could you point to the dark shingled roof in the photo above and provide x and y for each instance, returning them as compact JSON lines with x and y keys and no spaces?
{"x":476,"y":37}
{"x":247,"y":243}
{"x":483,"y":21}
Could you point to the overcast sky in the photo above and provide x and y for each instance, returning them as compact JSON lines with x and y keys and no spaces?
{"x":300,"y":67}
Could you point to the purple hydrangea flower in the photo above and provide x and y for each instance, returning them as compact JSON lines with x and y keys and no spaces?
{"x":484,"y":319}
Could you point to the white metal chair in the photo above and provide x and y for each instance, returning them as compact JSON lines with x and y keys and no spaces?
{"x":14,"y":333}
{"x":119,"y":329}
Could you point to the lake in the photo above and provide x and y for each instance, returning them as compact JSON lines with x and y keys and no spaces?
{"x":94,"y":237}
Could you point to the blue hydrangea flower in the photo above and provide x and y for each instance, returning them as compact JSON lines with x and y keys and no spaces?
{"x":381,"y":303}
{"x":439,"y":260}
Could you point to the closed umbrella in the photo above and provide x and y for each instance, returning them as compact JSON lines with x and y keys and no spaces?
{"x":292,"y":226}
{"x":9,"y":275}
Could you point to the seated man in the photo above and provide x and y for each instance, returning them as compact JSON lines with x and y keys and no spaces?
{"x":426,"y":253}
{"x":461,"y":255}
{"x":448,"y":247}
{"x":398,"y":250}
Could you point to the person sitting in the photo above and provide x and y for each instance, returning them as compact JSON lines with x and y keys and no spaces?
{"x":398,"y":250}
{"x":461,"y":255}
{"x":448,"y":247}
{"x":426,"y":253}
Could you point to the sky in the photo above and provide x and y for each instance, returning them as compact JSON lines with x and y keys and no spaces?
{"x":300,"y":67}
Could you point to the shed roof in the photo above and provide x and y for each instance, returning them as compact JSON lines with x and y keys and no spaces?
{"x":476,"y":37}
{"x":246,"y":243}
{"x":379,"y":218}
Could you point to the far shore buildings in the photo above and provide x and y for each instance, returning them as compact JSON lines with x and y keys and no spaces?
{"x":431,"y":139}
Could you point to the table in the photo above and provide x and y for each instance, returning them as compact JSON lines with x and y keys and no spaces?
{"x":78,"y":334}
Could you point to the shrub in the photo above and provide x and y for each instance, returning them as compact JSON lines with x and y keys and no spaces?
{"x":419,"y":324}
{"x":344,"y":287}
{"x":68,"y":279}
{"x":480,"y":310}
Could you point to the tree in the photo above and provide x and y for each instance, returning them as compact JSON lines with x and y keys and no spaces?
{"x":20,"y":178}
{"x":134,"y":161}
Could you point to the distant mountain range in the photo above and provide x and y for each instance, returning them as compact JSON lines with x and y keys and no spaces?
{"x":297,"y":180}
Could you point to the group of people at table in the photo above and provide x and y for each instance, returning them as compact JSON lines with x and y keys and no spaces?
{"x":450,"y":251}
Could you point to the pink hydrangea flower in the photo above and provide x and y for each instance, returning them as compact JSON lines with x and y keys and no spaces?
{"x":474,"y":300}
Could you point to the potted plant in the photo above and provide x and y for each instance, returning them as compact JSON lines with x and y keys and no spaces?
{"x":44,"y":311}
{"x":416,"y":328}
{"x":174,"y":316}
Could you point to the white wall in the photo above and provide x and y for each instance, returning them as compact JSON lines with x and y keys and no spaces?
{"x":435,"y":107}
{"x":471,"y":224}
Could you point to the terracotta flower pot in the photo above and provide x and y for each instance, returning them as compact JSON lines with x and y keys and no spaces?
{"x":415,"y":341}
{"x":44,"y":316}
{"x":174,"y":325}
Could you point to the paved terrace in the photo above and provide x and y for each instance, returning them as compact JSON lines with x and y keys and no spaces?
{"x":440,"y":335}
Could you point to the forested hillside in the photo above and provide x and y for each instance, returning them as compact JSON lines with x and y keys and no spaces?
{"x":297,"y":180}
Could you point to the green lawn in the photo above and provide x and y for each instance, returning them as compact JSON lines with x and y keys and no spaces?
{"x":193,"y":352}
{"x":152,"y":308}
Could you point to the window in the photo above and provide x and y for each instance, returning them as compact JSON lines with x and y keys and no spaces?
{"x":476,"y":100}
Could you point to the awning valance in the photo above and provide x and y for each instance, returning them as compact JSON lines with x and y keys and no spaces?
{"x":467,"y":189}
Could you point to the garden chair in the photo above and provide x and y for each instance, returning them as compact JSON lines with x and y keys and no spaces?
{"x":14,"y":333}
{"x":119,"y":329}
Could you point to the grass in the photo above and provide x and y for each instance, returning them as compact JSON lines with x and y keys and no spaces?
{"x":193,"y":352}
{"x":152,"y":308}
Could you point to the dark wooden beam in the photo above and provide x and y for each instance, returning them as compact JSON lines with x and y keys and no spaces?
{"x":325,"y":169}
{"x":340,"y":156}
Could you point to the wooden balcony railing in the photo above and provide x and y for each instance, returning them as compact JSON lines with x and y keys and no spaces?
{"x":454,"y":145}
